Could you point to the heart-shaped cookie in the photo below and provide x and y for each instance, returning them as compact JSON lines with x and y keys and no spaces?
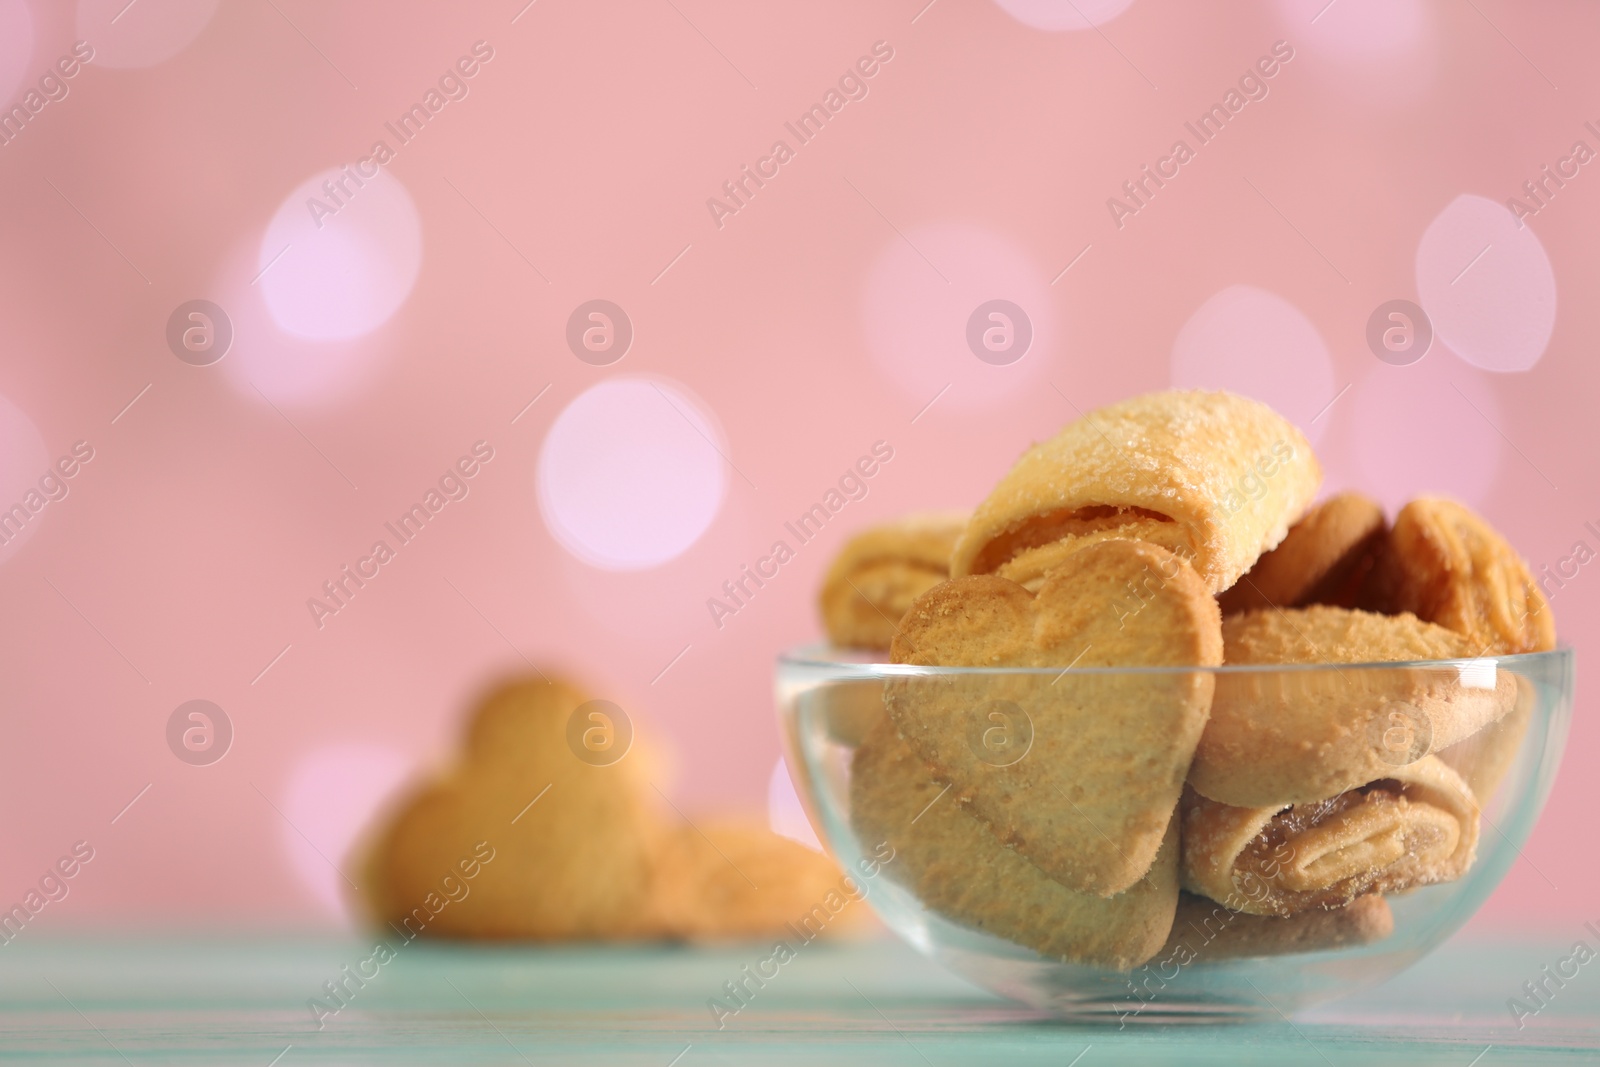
{"x":570,"y":845}
{"x":1077,"y":769}
{"x":538,"y":832}
{"x":954,"y":865}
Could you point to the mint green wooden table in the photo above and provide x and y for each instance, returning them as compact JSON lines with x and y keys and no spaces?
{"x":119,"y":1001}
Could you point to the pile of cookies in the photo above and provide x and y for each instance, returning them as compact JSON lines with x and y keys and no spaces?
{"x":1079,"y":812}
{"x":523,"y":838}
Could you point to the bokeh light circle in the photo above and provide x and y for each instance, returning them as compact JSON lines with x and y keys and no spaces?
{"x":1378,"y":53}
{"x":340,"y":274}
{"x":630,"y":473}
{"x":16,"y":48}
{"x":1255,"y":343}
{"x":142,"y":34}
{"x":1487,"y":284}
{"x":23,"y":461}
{"x":918,"y":297}
{"x":332,"y":794}
{"x":785,"y":813}
{"x":1063,"y":15}
{"x":1428,"y":429}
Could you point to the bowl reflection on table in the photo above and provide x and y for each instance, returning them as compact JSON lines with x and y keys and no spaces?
{"x":829,"y":699}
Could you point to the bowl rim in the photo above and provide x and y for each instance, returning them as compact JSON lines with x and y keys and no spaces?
{"x":823,"y":656}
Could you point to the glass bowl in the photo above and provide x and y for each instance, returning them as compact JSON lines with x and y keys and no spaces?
{"x":1040,"y":740}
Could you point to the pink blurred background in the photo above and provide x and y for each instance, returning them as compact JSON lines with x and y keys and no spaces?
{"x":771,"y":347}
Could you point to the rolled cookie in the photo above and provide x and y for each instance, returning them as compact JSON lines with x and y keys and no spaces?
{"x":1324,"y":559}
{"x":1446,"y":565}
{"x":1296,"y":735}
{"x":1077,"y":769}
{"x":1213,"y":477}
{"x":949,"y":861}
{"x":1415,"y":827}
{"x":1206,"y":932}
{"x":880,"y":571}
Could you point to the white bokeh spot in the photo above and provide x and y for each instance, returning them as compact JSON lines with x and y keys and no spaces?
{"x":1487,"y":285}
{"x":338,"y":276}
{"x":1063,"y":15}
{"x":141,"y":34}
{"x":630,"y":474}
{"x":16,"y":48}
{"x":918,"y":296}
{"x":785,"y":814}
{"x":1424,"y":430}
{"x":333,"y":793}
{"x":1375,"y":52}
{"x":23,"y":461}
{"x":1255,"y":343}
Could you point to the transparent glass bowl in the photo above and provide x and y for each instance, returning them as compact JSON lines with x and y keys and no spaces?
{"x":829,"y":699}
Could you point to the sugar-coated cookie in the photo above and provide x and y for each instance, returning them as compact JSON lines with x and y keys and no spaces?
{"x":1295,"y":736}
{"x":1414,"y":827}
{"x":1324,"y":559}
{"x":1214,"y":477}
{"x":951,"y":862}
{"x":1446,"y":565}
{"x":1077,"y":770}
{"x":880,"y":571}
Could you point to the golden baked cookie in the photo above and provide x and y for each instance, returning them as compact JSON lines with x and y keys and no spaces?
{"x":570,"y":845}
{"x":1483,"y":759}
{"x":1077,"y":770}
{"x":1029,"y":567}
{"x":1289,"y":737}
{"x":1324,"y":559}
{"x":1206,"y":932}
{"x":880,"y":571}
{"x":740,"y":880}
{"x":1214,"y":477}
{"x":1415,"y":827}
{"x":1445,"y":564}
{"x":951,"y":862}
